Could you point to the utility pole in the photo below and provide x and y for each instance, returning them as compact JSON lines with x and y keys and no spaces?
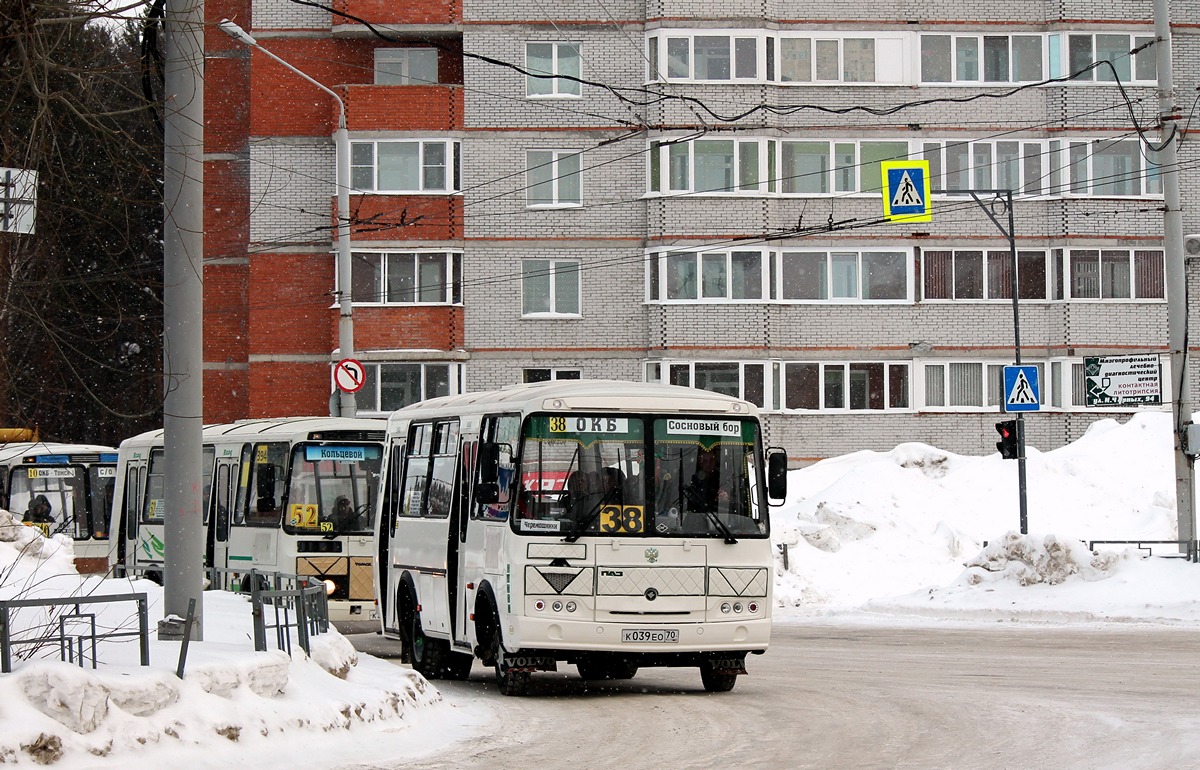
{"x":183,"y":310}
{"x":1177,"y":299}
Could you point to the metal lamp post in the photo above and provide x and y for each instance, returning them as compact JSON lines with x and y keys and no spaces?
{"x":347,"y":404}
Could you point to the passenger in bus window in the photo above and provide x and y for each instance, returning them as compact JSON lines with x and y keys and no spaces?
{"x":612,"y":488}
{"x":38,"y":511}
{"x":582,"y":494}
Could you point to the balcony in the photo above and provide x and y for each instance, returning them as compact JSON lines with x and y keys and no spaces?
{"x":403,"y":108}
{"x":391,"y":13}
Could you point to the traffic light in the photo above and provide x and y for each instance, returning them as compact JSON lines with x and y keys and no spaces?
{"x":1008,"y":439}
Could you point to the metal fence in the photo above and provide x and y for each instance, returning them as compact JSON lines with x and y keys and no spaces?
{"x":72,"y":629}
{"x":280,"y":602}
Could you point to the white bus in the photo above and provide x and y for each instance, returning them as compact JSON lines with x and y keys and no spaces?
{"x":73,"y":482}
{"x":610,"y":525}
{"x":291,"y":495}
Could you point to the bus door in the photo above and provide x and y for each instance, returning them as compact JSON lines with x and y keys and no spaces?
{"x":455,"y":536}
{"x":483,"y":531}
{"x":224,"y":498}
{"x":127,"y":511}
{"x":254,"y":537}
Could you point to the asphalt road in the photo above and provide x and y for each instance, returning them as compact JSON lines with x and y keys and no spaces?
{"x":828,"y":696}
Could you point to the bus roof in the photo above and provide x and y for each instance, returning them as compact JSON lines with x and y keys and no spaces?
{"x":580,"y":395}
{"x":278,"y":427}
{"x":17,"y":450}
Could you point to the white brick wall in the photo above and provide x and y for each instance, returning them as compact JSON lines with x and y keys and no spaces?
{"x":291,"y":191}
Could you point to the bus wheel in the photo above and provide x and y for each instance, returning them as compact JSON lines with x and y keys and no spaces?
{"x":427,"y":655}
{"x":509,"y":681}
{"x":717,"y":681}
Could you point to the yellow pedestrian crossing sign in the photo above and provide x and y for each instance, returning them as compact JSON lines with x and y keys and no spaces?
{"x":906,"y":190}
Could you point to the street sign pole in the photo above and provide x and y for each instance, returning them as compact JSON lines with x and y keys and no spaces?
{"x":1004,"y":198}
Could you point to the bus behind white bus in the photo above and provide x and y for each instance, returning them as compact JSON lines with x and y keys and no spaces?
{"x":75,"y":484}
{"x":291,"y":495}
{"x":609,"y":525}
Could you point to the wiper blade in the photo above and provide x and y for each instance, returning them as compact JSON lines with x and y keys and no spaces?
{"x":722,"y":527}
{"x":589,"y":520}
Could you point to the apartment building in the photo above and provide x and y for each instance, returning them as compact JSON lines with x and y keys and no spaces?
{"x":689,"y":191}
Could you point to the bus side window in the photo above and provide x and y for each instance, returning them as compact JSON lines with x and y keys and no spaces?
{"x":498,"y":438}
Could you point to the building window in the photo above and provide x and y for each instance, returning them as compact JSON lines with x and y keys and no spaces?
{"x":406,"y":278}
{"x":554,"y":178}
{"x":548,"y":375}
{"x":749,"y":166}
{"x":550,"y":287}
{"x":552,"y":60}
{"x":982,"y":58}
{"x":419,"y":166}
{"x":745,"y":380}
{"x":833,"y":59}
{"x":706,"y":56}
{"x":391,"y":386}
{"x":406,"y":66}
{"x":967,"y":385}
{"x":868,"y":276}
{"x":845,"y":386}
{"x":1102,"y":167}
{"x":1110,"y":274}
{"x":707,"y":276}
{"x":976,"y":274}
{"x":1084,"y":49}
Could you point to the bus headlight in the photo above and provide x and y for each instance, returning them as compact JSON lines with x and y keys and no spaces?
{"x":330,"y":587}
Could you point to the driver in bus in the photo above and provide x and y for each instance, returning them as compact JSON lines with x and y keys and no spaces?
{"x":344,"y":515}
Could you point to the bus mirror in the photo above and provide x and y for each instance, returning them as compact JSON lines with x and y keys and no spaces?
{"x":489,"y":463}
{"x":777,"y":475}
{"x":487,"y":493}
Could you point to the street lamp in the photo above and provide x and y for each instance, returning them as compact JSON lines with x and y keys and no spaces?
{"x":347,"y":405}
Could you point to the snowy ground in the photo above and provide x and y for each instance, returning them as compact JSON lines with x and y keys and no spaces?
{"x":895,"y":537}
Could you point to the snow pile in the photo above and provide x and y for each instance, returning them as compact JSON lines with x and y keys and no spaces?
{"x":918,"y":530}
{"x":1030,"y":560}
{"x":231,"y":696}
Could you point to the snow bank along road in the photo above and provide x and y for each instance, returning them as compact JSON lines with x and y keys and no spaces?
{"x":828,"y":696}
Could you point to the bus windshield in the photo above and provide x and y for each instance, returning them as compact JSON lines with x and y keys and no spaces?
{"x":332,"y":489}
{"x":62,"y":486}
{"x":640,"y":477}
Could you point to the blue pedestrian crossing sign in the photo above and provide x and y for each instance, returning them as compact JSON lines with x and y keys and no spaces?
{"x":1021,"y":389}
{"x":906,"y":190}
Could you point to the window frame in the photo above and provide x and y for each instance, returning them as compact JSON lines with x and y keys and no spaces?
{"x":552,"y":374}
{"x":990,"y":379}
{"x":558,"y":87}
{"x":452,"y":262}
{"x":451,"y":149}
{"x":373,"y":383}
{"x":556,"y":177}
{"x":555,"y":270}
{"x":1065,"y":278}
{"x":403,"y":55}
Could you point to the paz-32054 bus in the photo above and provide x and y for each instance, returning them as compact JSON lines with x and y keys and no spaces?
{"x":293,"y":495}
{"x":609,"y":525}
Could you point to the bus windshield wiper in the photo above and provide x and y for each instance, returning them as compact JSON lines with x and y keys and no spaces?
{"x":722,"y":527}
{"x":588,"y":520}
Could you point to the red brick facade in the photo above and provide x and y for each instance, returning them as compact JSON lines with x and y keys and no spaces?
{"x":270,"y":314}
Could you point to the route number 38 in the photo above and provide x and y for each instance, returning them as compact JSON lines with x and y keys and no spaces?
{"x":628,"y":519}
